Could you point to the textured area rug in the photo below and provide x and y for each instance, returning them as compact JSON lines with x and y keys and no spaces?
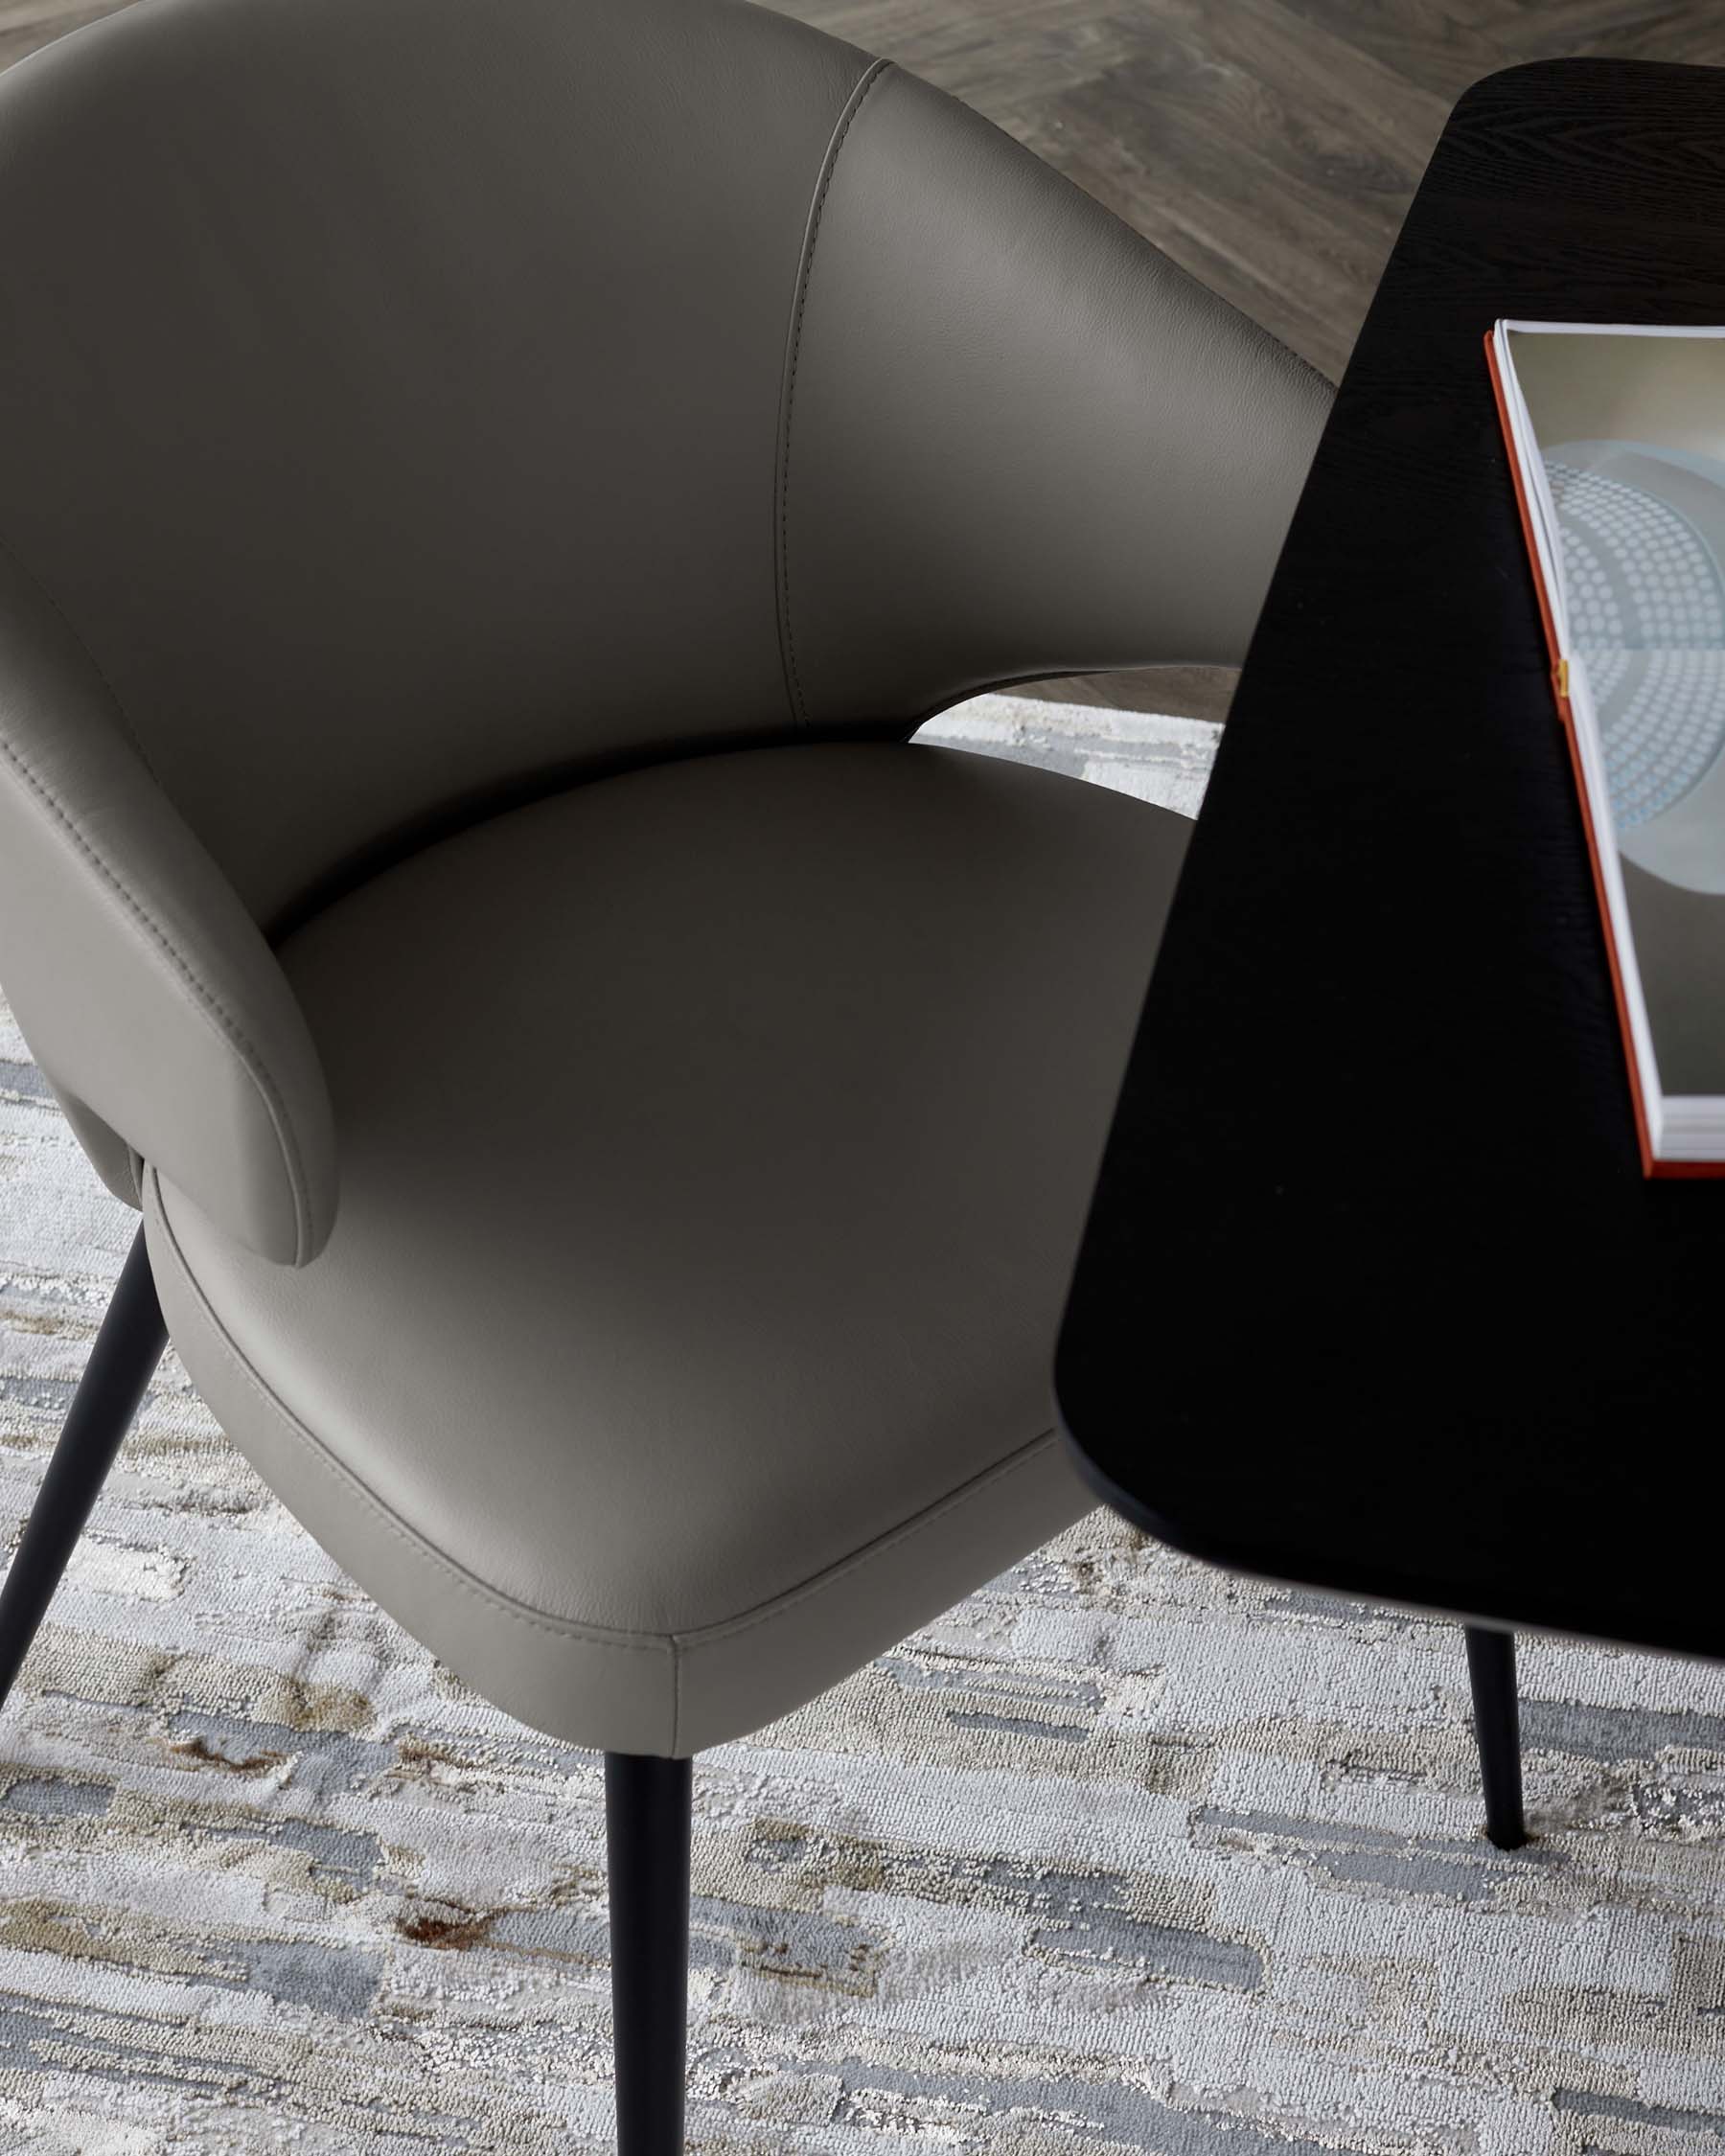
{"x":1121,"y":1855}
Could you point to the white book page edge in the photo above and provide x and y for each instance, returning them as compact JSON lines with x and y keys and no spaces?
{"x":1610,"y":329}
{"x":1536,"y":486}
{"x":1592,"y":751}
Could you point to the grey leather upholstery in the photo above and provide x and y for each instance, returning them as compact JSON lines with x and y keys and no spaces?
{"x":1016,"y":431}
{"x":413,"y":409}
{"x":143,"y":985}
{"x":716,"y":1141}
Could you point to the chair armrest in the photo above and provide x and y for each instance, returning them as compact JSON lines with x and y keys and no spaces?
{"x":144,"y":988}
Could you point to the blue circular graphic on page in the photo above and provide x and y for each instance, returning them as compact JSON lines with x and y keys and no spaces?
{"x":1646,"y":601}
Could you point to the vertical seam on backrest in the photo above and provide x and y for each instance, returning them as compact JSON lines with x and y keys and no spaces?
{"x":799,"y":710}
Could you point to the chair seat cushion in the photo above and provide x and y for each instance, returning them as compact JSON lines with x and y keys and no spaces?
{"x":714,"y":1145}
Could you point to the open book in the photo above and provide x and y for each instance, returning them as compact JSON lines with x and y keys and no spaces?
{"x":1616,"y":440}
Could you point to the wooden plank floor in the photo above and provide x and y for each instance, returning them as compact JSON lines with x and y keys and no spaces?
{"x":1270,"y":146}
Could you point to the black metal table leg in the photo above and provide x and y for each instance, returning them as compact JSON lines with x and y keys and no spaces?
{"x":1497,"y":1724}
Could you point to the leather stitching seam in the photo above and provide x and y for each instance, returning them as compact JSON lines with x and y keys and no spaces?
{"x":417,"y":1544}
{"x":800,"y":709}
{"x":683,"y":1643}
{"x":250,"y":1061}
{"x":135,"y":741}
{"x":883,"y":1544}
{"x":676,"y":1643}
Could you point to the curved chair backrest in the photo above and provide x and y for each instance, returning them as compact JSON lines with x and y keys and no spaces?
{"x":406,"y":404}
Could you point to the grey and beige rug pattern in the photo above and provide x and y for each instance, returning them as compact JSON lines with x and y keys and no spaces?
{"x":1121,"y":1855}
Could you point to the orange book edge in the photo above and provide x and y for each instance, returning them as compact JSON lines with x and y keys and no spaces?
{"x":1559,"y":676}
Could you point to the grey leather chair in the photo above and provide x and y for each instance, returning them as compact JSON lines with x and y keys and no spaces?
{"x":490,"y":487}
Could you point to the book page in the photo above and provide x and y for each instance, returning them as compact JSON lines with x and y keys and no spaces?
{"x":1630,"y":428}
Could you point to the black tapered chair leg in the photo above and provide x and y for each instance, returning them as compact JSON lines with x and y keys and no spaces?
{"x":127,"y":1350}
{"x":1497,"y":1724}
{"x":648,"y":1805}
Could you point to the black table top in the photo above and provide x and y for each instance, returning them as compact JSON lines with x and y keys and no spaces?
{"x":1374,"y":1294}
